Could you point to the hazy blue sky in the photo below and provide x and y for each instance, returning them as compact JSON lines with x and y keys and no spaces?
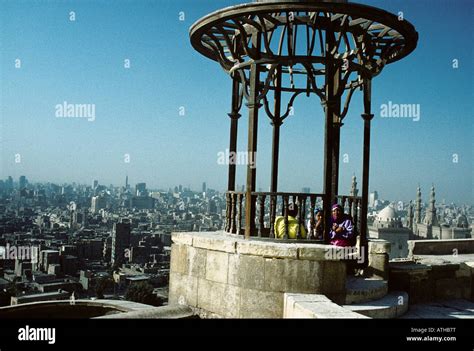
{"x":137,"y":109}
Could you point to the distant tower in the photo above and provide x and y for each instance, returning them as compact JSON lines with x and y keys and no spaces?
{"x":85,"y":215}
{"x":430,"y":216}
{"x":354,"y":189}
{"x":418,"y":206}
{"x":9,"y":183}
{"x":95,"y":184}
{"x":126,"y":182}
{"x":204,"y":187}
{"x":372,"y":198}
{"x":410,"y":216}
{"x":120,"y":242}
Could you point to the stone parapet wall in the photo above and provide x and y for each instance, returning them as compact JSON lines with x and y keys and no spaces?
{"x":440,"y":247}
{"x":222,"y":275}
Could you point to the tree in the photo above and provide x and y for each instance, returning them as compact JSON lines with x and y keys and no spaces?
{"x":8,"y":292}
{"x":103,"y":283}
{"x":143,"y":293}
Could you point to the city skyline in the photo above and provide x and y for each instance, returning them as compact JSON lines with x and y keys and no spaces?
{"x":187,"y":187}
{"x":160,"y":112}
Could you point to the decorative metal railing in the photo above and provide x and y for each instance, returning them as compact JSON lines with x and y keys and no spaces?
{"x":269,"y":205}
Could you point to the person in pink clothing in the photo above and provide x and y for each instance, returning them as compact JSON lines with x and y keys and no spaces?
{"x":342,"y":229}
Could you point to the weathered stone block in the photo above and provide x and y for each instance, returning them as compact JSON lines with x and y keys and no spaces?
{"x":217,"y":265}
{"x":179,"y":259}
{"x":443,"y":271}
{"x":197,"y":259}
{"x":266,"y":249}
{"x":316,"y":252}
{"x":275,"y":275}
{"x":379,"y":246}
{"x":287,"y":275}
{"x":378,"y":265}
{"x":247,"y":271}
{"x":182,"y":238}
{"x":448,"y":289}
{"x":333,"y":281}
{"x":303,"y":276}
{"x":290,"y":299}
{"x":183,"y":289}
{"x":220,"y":299}
{"x":215,"y":242}
{"x":261,"y":304}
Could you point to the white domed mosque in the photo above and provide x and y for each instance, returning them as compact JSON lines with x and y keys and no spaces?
{"x":388,"y":218}
{"x":388,"y":226}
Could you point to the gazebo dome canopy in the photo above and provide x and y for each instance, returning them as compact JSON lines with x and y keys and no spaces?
{"x":292,"y":34}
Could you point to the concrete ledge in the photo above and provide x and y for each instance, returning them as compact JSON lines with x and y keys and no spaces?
{"x":213,"y":242}
{"x":320,"y":252}
{"x":314,"y":306}
{"x":267,"y":249}
{"x":440,"y":247}
{"x":182,"y":238}
{"x":163,"y":312}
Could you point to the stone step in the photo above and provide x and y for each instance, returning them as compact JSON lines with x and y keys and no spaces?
{"x":360,"y":289}
{"x":393,"y":305}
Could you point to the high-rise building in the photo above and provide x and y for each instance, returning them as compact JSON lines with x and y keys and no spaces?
{"x":97,"y":203}
{"x":126,"y":182}
{"x":9,"y":183}
{"x":95,"y":184}
{"x":120,"y":242}
{"x":204,"y":187}
{"x":372,"y":198}
{"x":22,"y":182}
{"x":140,"y":189}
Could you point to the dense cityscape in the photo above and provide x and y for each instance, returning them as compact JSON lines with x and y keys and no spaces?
{"x":76,"y":241}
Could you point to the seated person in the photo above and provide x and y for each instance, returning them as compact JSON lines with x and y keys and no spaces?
{"x":316,"y":232}
{"x":342,"y":229}
{"x":292,"y":224}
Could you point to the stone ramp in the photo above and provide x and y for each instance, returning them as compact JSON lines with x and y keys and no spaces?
{"x":392,"y":305}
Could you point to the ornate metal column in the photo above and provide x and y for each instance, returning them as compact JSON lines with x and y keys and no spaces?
{"x":253,"y":106}
{"x":367,"y":116}
{"x":276,"y":123}
{"x":234,"y":118}
{"x":332,"y":106}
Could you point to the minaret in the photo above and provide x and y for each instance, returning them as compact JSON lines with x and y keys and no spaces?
{"x":418,"y":206}
{"x":430,"y":217}
{"x":354,"y":189}
{"x":410,"y":216}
